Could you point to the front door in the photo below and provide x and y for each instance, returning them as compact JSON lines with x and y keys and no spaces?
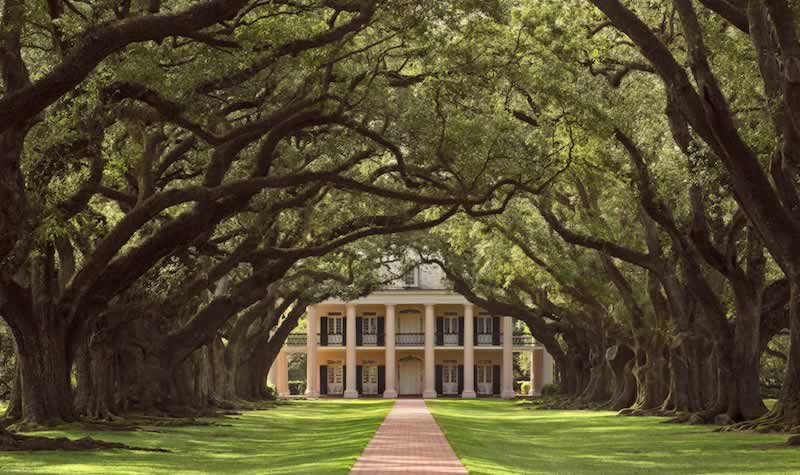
{"x":409,"y":377}
{"x":369,"y":379}
{"x":335,"y":380}
{"x":485,"y":375}
{"x":450,"y":379}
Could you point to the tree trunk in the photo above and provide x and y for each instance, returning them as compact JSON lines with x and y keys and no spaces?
{"x":789,"y":403}
{"x":42,"y":355}
{"x":621,"y":360}
{"x":747,"y":363}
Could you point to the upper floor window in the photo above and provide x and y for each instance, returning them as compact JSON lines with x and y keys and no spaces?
{"x":450,"y":325}
{"x":369,"y":325}
{"x":410,"y":278}
{"x":484,"y":325}
{"x":335,"y":325}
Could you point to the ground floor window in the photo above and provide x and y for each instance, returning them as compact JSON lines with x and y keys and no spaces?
{"x":335,"y":380}
{"x":485,"y":379}
{"x":450,"y":379}
{"x":369,"y":379}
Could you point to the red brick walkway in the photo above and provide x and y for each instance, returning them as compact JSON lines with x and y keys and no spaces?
{"x":408,"y":442}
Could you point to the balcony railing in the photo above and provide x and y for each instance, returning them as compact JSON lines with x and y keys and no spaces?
{"x":296,"y":339}
{"x":522,"y":340}
{"x":369,"y":339}
{"x":335,"y":340}
{"x":410,"y":339}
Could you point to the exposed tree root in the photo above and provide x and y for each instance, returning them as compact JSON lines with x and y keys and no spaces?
{"x":10,"y":442}
{"x":773,"y":421}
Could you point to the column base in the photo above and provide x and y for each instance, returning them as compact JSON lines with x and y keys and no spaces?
{"x":429,"y":395}
{"x":508,"y":394}
{"x":350,"y":394}
{"x":390,"y":394}
{"x":311,"y":395}
{"x":469,"y":395}
{"x":283,"y":395}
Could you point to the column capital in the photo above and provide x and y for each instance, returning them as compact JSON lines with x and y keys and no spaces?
{"x":311,"y":308}
{"x":390,"y":305}
{"x":429,"y":305}
{"x":469,"y":305}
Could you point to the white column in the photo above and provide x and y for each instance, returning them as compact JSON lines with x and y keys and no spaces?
{"x":430,"y":363}
{"x":391,"y":353}
{"x":469,"y":353}
{"x":508,"y":359}
{"x":537,"y":368}
{"x":312,"y":371}
{"x":547,"y":370}
{"x":272,"y":377}
{"x":283,"y":374}
{"x":350,"y":391}
{"x":532,"y":391}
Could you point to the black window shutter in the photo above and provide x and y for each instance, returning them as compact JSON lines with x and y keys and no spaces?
{"x":323,"y":331}
{"x":360,"y":379}
{"x":359,"y":331}
{"x":344,"y":376}
{"x":439,"y":379}
{"x":475,"y":331}
{"x":323,"y":379}
{"x":475,"y":377}
{"x":381,"y":331}
{"x":461,"y":331}
{"x":495,"y":331}
{"x":344,"y":332}
{"x":439,"y":331}
{"x":381,"y":379}
{"x":496,"y":379}
{"x":460,"y":378}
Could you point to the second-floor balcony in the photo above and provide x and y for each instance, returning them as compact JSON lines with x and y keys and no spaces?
{"x":335,"y":340}
{"x":484,"y":339}
{"x":523,"y":340}
{"x":410,"y":339}
{"x":413,"y":339}
{"x":369,"y":339}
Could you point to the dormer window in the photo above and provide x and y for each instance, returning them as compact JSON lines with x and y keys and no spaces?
{"x":410,"y":278}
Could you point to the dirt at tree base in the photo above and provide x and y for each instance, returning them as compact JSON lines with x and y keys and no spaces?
{"x":10,"y":442}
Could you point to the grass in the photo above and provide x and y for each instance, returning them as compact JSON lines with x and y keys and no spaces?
{"x":502,"y":437}
{"x":294,"y":437}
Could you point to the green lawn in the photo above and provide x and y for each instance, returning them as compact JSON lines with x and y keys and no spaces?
{"x":500,"y":437}
{"x":295,"y":437}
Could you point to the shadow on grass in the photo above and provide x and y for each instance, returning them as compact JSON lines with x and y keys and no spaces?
{"x":501,"y":437}
{"x":295,"y":437}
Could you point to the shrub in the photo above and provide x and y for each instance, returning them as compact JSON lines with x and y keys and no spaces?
{"x":525,"y":388}
{"x":550,"y":390}
{"x":297,"y":388}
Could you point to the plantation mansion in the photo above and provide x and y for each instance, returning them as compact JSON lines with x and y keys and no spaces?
{"x":411,"y":338}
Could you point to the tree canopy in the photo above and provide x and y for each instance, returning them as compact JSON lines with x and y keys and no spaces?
{"x":178,"y":180}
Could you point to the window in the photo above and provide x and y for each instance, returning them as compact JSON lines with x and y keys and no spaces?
{"x":484,"y":325}
{"x":369,"y":325}
{"x":335,"y":325}
{"x":335,"y":375}
{"x":450,"y":325}
{"x":410,"y":278}
{"x":450,"y":374}
{"x":370,"y":375}
{"x":484,"y":374}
